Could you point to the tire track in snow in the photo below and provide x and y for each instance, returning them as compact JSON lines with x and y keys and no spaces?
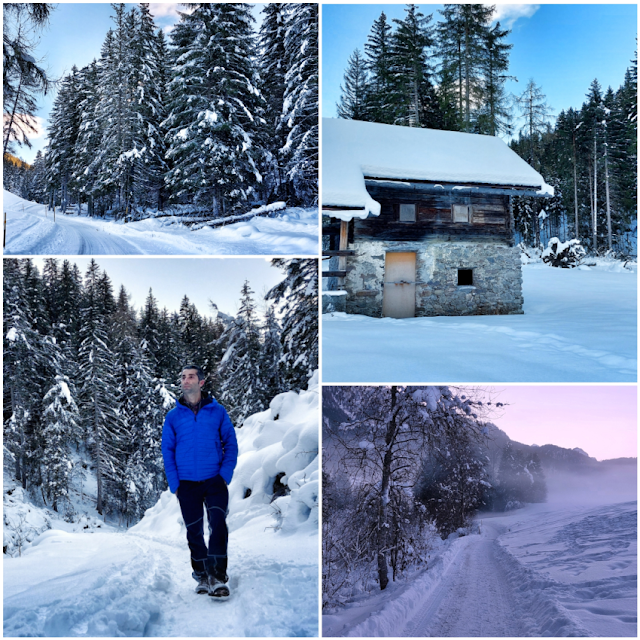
{"x":473,"y":599}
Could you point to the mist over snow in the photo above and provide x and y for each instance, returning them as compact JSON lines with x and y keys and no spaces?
{"x":563,"y":567}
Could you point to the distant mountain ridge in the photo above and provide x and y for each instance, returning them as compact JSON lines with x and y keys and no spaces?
{"x":555,"y":458}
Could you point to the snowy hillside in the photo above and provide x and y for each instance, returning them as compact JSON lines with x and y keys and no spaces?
{"x":32,"y":231}
{"x":566,"y":568}
{"x":579,"y":325}
{"x":139,"y":582}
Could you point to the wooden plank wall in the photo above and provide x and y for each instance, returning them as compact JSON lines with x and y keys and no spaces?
{"x":491,"y":220}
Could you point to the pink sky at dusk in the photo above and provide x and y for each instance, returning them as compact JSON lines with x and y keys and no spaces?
{"x":601,"y":420}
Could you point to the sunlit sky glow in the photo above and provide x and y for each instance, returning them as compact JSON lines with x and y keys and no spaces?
{"x":601,"y":420}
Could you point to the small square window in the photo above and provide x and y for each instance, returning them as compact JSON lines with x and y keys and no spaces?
{"x":407,"y":213}
{"x":461,"y":213}
{"x":465,"y":277}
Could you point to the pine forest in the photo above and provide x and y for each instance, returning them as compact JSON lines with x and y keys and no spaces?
{"x":89,"y":378}
{"x":451,"y":74}
{"x":214,"y":118}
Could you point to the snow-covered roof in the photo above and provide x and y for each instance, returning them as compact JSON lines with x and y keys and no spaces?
{"x":353,"y":150}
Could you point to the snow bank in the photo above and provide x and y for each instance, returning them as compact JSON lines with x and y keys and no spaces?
{"x":25,"y":524}
{"x":352,"y":150}
{"x":281,"y":440}
{"x":385,"y":613}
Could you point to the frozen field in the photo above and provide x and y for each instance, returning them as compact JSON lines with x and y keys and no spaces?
{"x":545,"y":570}
{"x":31,"y":231}
{"x":579,"y":325}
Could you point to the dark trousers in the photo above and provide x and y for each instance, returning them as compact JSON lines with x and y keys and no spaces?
{"x":194,"y":497}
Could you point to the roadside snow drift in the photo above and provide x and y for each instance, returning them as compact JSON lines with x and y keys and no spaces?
{"x":138,"y":583}
{"x":31,"y":230}
{"x":579,"y":325}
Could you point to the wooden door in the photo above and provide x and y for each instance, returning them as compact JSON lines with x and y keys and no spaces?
{"x":399,"y":297}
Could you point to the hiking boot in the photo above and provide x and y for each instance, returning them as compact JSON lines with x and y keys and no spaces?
{"x":203,"y":582}
{"x":218,"y":588}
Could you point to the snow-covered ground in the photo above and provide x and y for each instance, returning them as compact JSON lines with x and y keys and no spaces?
{"x":579,"y":325}
{"x":138,"y":582}
{"x":566,"y":568}
{"x":32,"y":231}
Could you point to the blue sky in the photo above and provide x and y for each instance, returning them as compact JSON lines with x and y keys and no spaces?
{"x":75,"y":35}
{"x":562,"y":47}
{"x":201,"y":279}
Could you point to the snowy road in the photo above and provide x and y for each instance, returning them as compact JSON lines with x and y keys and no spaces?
{"x":567,"y":568}
{"x":81,"y":580}
{"x":474,"y":598}
{"x":132,"y":584}
{"x":32,"y":231}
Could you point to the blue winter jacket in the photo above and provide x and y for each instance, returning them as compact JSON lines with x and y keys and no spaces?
{"x":198,"y":447}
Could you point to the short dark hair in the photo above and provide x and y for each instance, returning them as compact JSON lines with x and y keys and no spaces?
{"x":199,"y":371}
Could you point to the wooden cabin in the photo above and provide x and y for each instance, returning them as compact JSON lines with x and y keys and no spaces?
{"x":418,"y":222}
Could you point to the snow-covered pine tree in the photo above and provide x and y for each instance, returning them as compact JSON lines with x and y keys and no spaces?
{"x":414,"y":99}
{"x":212,"y":109}
{"x":297,"y":300}
{"x":461,"y":48}
{"x":23,"y":364}
{"x":115,"y":112}
{"x":148,"y":331}
{"x":271,"y":370}
{"x":354,"y":103}
{"x":148,"y":54}
{"x":99,"y":391}
{"x":60,"y":430}
{"x":144,"y":478}
{"x":190,"y":325}
{"x":87,"y":150}
{"x":378,"y":62}
{"x":272,"y":75}
{"x":300,"y":109}
{"x":239,"y":370}
{"x":170,"y":355}
{"x":63,"y":130}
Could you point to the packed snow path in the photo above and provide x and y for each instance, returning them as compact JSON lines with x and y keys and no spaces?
{"x":128,"y":584}
{"x":561,"y":569}
{"x":473,"y":599}
{"x":578,"y":326}
{"x":32,"y":231}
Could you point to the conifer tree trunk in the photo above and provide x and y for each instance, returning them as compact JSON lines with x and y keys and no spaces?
{"x":606,"y":182}
{"x":595,"y":194}
{"x":575,"y":185}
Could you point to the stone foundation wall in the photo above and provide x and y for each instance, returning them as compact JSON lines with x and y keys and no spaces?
{"x":497,"y":278}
